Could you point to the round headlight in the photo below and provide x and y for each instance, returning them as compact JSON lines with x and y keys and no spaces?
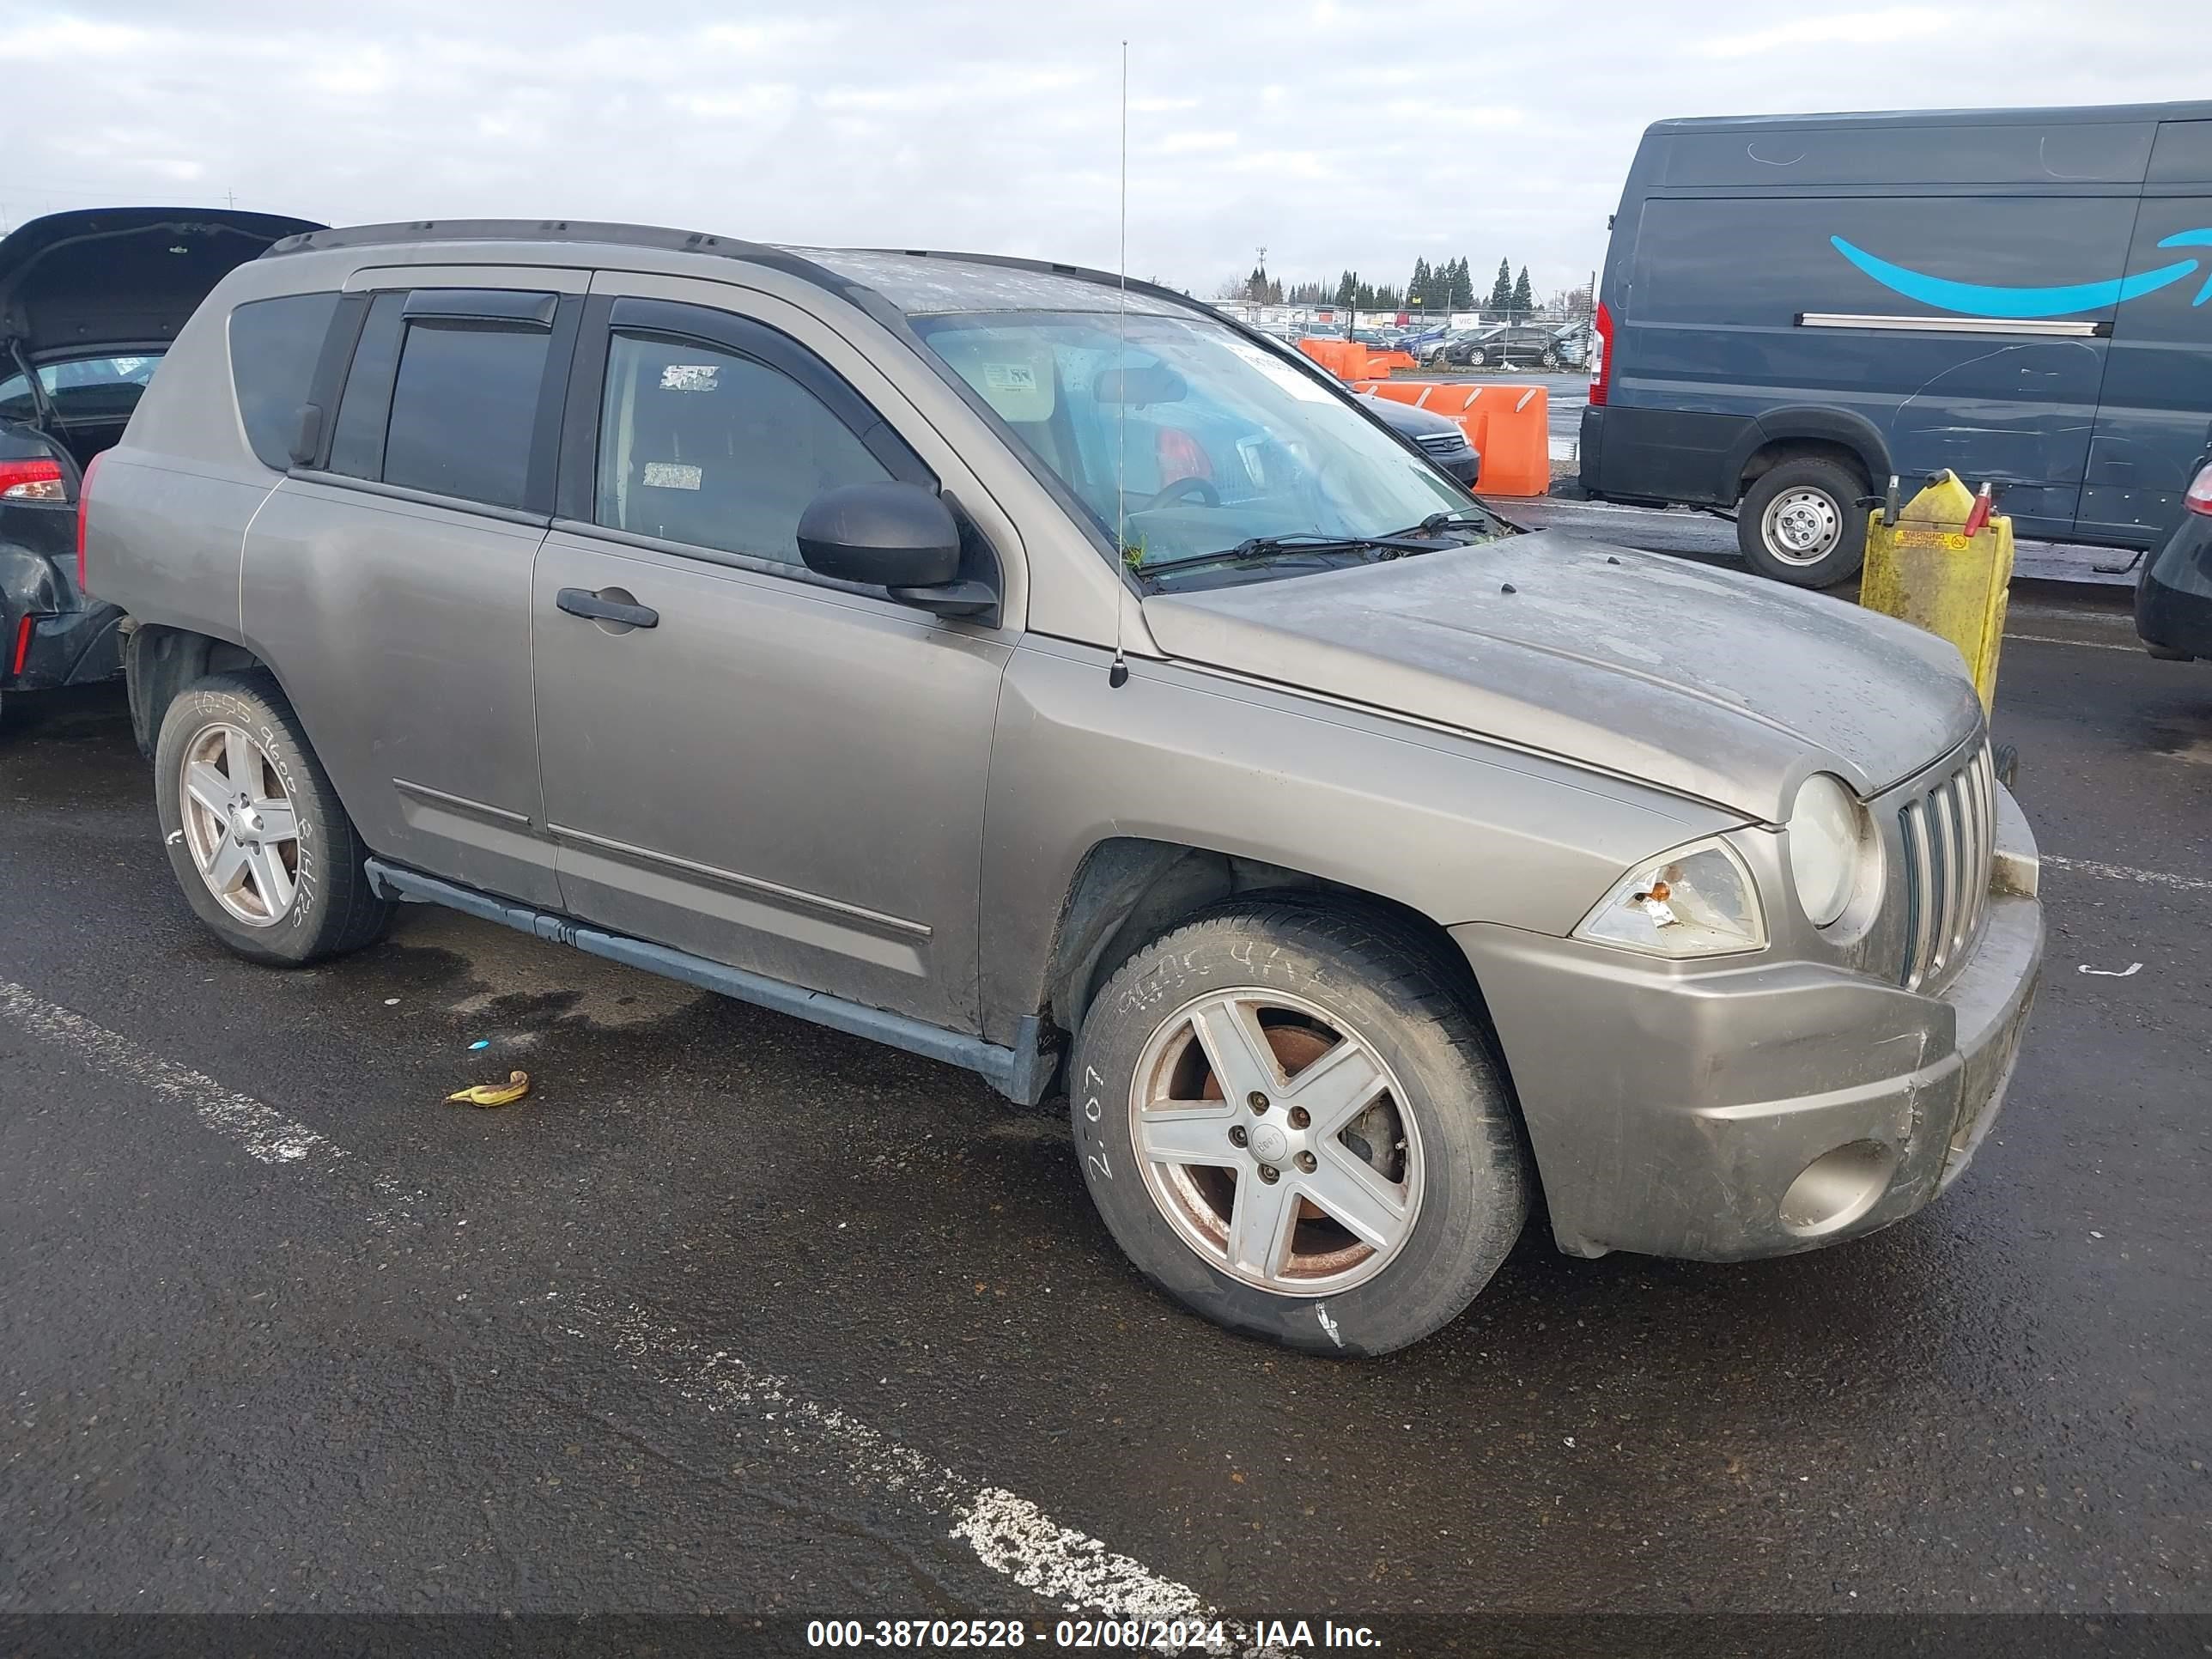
{"x":1828,"y":840}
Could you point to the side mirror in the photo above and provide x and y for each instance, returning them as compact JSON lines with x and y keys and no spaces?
{"x":898,"y":535}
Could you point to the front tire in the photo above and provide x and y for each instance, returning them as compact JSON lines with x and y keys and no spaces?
{"x":1289,"y":1120}
{"x":263,"y":849}
{"x":1800,"y":522}
{"x":1477,"y":358}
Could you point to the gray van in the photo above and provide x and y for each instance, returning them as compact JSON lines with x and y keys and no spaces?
{"x":1796,"y":308}
{"x":1049,"y":677}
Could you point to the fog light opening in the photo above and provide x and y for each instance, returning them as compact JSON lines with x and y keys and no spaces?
{"x":1837,"y":1187}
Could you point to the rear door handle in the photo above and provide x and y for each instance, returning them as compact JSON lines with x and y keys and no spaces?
{"x":582,"y":602}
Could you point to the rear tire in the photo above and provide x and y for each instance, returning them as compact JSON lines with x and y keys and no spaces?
{"x":1347,"y":1176}
{"x":254,"y":830}
{"x":1800,"y":522}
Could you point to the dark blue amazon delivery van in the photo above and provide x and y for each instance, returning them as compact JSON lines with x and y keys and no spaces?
{"x":1794,"y":307}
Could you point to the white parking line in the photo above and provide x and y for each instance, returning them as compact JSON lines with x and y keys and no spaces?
{"x":2122,"y":872}
{"x":265,"y":1132}
{"x":2087,"y":644}
{"x":1009,"y":1535}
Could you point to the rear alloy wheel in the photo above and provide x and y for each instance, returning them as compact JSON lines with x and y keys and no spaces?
{"x":265,"y":852}
{"x":1799,"y":523}
{"x":1289,"y":1120}
{"x":1550,"y":359}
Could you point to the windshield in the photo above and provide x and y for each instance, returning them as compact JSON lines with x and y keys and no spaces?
{"x":85,"y":389}
{"x":1193,"y":441}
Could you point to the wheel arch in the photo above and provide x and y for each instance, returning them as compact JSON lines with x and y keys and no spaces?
{"x":1129,"y":890}
{"x":159,"y":661}
{"x":1781,"y":434}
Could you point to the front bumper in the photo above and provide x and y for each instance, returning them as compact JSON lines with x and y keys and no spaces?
{"x":1674,"y":1113}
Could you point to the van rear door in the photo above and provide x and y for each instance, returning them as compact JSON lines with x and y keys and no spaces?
{"x":2158,"y":376}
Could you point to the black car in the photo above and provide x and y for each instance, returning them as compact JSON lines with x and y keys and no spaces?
{"x":88,"y":302}
{"x":1509,"y":346}
{"x":2173,"y":595}
{"x":1443,"y":440}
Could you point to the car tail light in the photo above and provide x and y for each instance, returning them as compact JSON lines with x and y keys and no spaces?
{"x":32,"y":481}
{"x":2199,"y":499}
{"x":1601,"y":371}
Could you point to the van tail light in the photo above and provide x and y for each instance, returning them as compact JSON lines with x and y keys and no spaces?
{"x":1602,"y":372}
{"x":84,"y":507}
{"x":2199,"y":498}
{"x":32,"y":481}
{"x":22,"y":651}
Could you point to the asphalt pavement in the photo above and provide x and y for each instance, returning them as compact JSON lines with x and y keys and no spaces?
{"x":734,"y":1314}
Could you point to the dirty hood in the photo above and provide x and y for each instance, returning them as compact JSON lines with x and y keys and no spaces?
{"x":1714,"y":685}
{"x":110,"y":277}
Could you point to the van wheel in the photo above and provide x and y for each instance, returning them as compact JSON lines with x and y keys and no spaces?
{"x":263,"y":849}
{"x":1290,"y":1122}
{"x":1800,"y":522}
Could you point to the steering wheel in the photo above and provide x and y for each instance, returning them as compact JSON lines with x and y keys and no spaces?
{"x":1206,"y":493}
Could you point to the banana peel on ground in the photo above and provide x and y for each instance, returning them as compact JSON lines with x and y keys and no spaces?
{"x":492,"y":1094}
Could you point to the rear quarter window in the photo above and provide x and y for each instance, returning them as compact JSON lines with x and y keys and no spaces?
{"x":274,"y":346}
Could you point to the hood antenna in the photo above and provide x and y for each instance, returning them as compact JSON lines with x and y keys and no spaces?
{"x":1118,"y":675}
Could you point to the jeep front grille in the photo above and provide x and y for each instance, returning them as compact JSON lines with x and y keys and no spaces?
{"x":1949,"y":835}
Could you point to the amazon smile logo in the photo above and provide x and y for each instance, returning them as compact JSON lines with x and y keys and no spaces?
{"x":1981,"y":300}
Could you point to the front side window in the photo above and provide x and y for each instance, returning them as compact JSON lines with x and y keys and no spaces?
{"x":465,"y":408}
{"x":1190,"y":439}
{"x":702,"y":445}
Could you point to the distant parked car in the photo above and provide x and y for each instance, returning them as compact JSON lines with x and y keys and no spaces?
{"x":1516,"y":346}
{"x":90,"y":301}
{"x":1574,"y":343}
{"x":1431,"y":347}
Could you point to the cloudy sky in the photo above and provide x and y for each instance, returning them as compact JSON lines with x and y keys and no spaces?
{"x":1332,"y":133}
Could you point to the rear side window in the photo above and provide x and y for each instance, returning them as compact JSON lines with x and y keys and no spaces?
{"x":274,"y":346}
{"x":702,"y":445}
{"x":464,"y":410}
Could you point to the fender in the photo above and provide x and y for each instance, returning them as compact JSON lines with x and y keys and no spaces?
{"x":1839,"y":426}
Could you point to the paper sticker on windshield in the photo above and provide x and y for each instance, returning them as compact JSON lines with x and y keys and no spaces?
{"x":688,"y":377}
{"x":671,"y":475}
{"x":1010,"y":377}
{"x":1283,"y":374}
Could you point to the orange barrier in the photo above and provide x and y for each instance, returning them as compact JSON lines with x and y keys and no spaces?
{"x":1509,"y":426}
{"x":1345,"y":359}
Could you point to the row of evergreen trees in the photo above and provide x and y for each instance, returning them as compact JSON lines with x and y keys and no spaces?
{"x":1438,"y":289}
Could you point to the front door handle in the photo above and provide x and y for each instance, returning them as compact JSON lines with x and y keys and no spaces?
{"x":599,"y":607}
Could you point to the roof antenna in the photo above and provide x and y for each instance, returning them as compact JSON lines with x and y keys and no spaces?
{"x":1118,"y":675}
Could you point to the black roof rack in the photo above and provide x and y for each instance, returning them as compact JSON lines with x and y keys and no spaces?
{"x":518,"y":230}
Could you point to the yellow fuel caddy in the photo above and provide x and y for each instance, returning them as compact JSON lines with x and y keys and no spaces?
{"x":1944,"y":564}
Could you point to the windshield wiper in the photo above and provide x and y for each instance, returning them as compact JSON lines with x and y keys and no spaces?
{"x":1437,"y":523}
{"x":1295,"y":542}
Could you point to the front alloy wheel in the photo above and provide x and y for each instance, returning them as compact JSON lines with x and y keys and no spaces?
{"x":1290,"y":1119}
{"x":1271,"y":1139}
